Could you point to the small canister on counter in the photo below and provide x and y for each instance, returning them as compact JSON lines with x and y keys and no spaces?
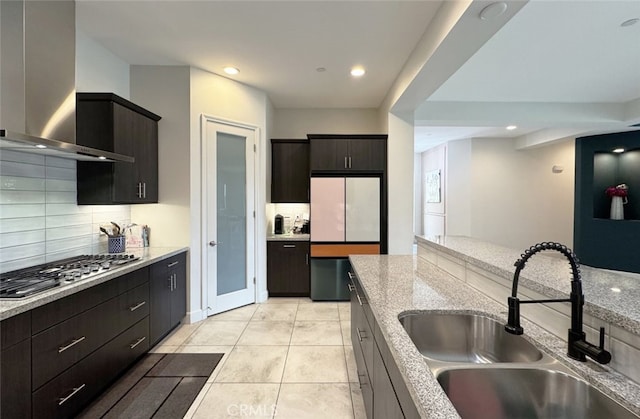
{"x":116,"y":244}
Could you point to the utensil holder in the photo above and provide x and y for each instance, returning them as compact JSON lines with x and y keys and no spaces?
{"x":116,"y":244}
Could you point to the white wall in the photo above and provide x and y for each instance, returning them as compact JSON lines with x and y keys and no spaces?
{"x":434,"y":215}
{"x":297,"y":123}
{"x":164,"y":90}
{"x":223,"y":98}
{"x":98,"y":69}
{"x":458,"y":187}
{"x":400,"y":174}
{"x":515,"y":199}
{"x":417,"y":194}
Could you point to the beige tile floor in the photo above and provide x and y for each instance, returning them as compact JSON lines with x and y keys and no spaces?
{"x":286,"y":358}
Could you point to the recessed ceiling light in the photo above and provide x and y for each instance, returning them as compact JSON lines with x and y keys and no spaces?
{"x":618,"y":150}
{"x":102,"y":158}
{"x":616,"y":289}
{"x":231,"y":70}
{"x":357,"y":71}
{"x":493,"y":10}
{"x":512,"y":127}
{"x":41,"y":146}
{"x":630,"y":22}
{"x":321,"y":69}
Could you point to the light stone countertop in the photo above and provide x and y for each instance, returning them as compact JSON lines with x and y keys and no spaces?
{"x":396,"y":284}
{"x":148,"y":256}
{"x":550,"y":276}
{"x":289,"y":237}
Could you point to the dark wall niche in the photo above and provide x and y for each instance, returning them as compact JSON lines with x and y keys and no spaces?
{"x":611,"y":169}
{"x":597,"y":240}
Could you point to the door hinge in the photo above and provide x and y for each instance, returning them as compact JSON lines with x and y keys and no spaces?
{"x":254,"y":214}
{"x":254,"y":148}
{"x":254,"y":280}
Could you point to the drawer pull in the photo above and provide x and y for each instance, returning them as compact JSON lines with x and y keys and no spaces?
{"x":360,"y":334}
{"x":137,"y":306}
{"x":351,"y":287}
{"x":172,"y":264}
{"x":289,"y":246}
{"x":73,"y":393}
{"x":350,"y":275}
{"x":61,"y":349}
{"x":359,"y":300}
{"x":137,"y":342}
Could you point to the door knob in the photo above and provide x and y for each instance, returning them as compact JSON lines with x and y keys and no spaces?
{"x":213,"y":243}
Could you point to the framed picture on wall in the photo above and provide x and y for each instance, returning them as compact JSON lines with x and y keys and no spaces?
{"x":432,"y":184}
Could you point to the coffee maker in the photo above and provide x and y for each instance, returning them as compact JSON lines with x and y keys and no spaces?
{"x":278,"y":225}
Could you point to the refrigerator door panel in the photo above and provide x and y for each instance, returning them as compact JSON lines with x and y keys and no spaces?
{"x":327,"y":209}
{"x":363,"y":209}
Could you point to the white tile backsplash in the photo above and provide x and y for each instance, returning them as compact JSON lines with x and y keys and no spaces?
{"x":22,"y":183}
{"x":39,"y":218}
{"x":289,"y":211}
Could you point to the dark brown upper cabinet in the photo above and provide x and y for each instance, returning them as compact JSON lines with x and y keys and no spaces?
{"x":289,"y":171}
{"x":347,"y":153}
{"x":108,"y":122}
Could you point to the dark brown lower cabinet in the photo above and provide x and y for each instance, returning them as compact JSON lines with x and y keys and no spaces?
{"x":168,"y":295}
{"x":56,"y":358}
{"x":69,"y":392}
{"x":288,"y":268}
{"x":380,"y":382}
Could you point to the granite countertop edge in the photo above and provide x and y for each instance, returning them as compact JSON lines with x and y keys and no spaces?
{"x":288,"y":237}
{"x":399,"y":284}
{"x":148,"y":256}
{"x":543,"y":275}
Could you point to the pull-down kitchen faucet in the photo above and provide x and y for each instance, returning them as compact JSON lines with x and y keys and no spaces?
{"x":579,"y":348}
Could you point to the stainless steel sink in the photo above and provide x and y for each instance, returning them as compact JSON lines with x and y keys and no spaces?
{"x":525,"y":393}
{"x":466,"y":338}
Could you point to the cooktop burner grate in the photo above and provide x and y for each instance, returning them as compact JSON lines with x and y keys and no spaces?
{"x":28,"y":281}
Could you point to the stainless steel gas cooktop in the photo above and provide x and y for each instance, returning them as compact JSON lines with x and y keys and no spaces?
{"x":29,"y":281}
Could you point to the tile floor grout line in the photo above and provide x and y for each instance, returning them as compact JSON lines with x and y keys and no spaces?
{"x":284,"y":367}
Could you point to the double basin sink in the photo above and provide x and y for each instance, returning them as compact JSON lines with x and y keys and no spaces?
{"x":489,"y":373}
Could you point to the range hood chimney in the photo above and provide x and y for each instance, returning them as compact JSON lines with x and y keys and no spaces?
{"x":37,"y":81}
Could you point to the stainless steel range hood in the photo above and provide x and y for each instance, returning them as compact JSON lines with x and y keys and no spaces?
{"x":37,"y":81}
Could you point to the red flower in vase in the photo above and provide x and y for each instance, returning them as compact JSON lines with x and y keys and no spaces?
{"x":621,"y":190}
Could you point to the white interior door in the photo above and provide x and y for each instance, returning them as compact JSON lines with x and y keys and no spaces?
{"x":229,"y":208}
{"x":362,"y":209}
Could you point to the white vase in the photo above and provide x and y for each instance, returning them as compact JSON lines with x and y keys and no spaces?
{"x":617,"y":209}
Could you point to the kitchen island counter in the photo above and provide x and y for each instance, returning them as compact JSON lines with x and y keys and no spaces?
{"x":147,"y":255}
{"x":397,"y":284}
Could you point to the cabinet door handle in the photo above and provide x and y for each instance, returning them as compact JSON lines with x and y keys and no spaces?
{"x":351,"y":287}
{"x":359,"y":300}
{"x":137,"y":342}
{"x":360,"y":334}
{"x":137,"y":306}
{"x":350,"y":275}
{"x":306,"y":258}
{"x":144,"y":185}
{"x":74,"y":342}
{"x":289,"y":246}
{"x":175,"y":281}
{"x":172,"y":264}
{"x":360,"y":382}
{"x":345,"y":162}
{"x":62,"y":400}
{"x":349,"y":162}
{"x":170,"y":279}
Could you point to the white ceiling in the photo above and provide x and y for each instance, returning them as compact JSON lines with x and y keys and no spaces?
{"x":556,"y":68}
